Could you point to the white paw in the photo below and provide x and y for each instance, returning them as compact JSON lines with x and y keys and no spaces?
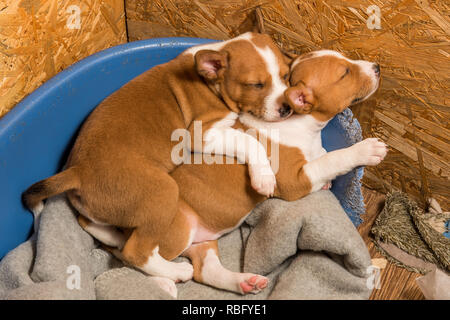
{"x":182,"y":271}
{"x":167,"y":285}
{"x":252,"y":283}
{"x":262,"y":179}
{"x":370,"y":151}
{"x":327,"y":186}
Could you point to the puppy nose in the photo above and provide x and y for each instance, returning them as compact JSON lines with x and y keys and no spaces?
{"x":285,"y":110}
{"x":376,"y":68}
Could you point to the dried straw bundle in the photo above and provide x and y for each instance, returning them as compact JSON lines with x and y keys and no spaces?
{"x":39,"y":38}
{"x":411,"y":110}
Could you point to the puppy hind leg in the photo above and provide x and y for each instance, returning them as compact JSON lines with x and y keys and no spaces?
{"x":209,"y":270}
{"x":142,"y":251}
{"x":181,"y":232}
{"x":164,"y":283}
{"x":167,"y":285}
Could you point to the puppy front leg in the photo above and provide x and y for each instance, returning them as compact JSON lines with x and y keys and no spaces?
{"x":221,"y":139}
{"x":327,"y":167}
{"x":246,"y":149}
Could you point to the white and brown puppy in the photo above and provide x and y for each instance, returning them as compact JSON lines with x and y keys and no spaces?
{"x":216,"y":198}
{"x":118,"y":172}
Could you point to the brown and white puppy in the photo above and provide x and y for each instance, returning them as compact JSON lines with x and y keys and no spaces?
{"x":118,"y":172}
{"x":216,"y":198}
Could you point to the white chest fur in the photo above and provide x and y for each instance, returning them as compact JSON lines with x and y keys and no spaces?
{"x":299,"y":131}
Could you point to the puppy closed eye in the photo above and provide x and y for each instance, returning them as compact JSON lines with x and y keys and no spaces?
{"x":356,"y":100}
{"x":258,"y":85}
{"x":286,"y":76}
{"x":347,"y":70}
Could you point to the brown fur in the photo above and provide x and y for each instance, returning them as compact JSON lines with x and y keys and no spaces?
{"x":54,"y":185}
{"x":197,"y":253}
{"x":220,"y":195}
{"x":223,"y":196}
{"x":246,"y":96}
{"x":327,"y":93}
{"x":119,"y":168}
{"x":159,"y":204}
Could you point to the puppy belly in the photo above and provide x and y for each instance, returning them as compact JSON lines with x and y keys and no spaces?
{"x":203,"y":234}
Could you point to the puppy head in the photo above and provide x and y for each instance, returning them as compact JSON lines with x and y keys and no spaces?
{"x":324,"y":83}
{"x":249,"y":73}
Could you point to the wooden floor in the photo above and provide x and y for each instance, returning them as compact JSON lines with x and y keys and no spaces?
{"x":396,"y":283}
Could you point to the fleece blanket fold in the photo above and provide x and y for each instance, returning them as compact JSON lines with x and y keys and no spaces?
{"x":309,"y":249}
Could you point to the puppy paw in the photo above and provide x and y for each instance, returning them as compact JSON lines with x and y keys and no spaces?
{"x":370,"y":151}
{"x":181,"y":272}
{"x":253,"y":283}
{"x":327,"y":186}
{"x":262,"y":179}
{"x":167,"y":285}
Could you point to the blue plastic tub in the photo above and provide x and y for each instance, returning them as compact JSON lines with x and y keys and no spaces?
{"x":36,"y":136}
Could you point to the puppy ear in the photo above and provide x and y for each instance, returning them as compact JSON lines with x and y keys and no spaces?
{"x":300,"y":98}
{"x":288,"y":57}
{"x":211,"y":64}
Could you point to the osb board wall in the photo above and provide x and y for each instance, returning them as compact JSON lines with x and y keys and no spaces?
{"x":39,"y":38}
{"x":411,"y":110}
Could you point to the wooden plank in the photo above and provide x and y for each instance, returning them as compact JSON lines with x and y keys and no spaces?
{"x":41,"y":38}
{"x":402,"y":124}
{"x":433,"y":162}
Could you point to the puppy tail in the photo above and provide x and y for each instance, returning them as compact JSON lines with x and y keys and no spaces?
{"x":33,"y":197}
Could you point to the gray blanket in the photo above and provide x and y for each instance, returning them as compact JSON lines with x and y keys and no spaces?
{"x":308,"y":249}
